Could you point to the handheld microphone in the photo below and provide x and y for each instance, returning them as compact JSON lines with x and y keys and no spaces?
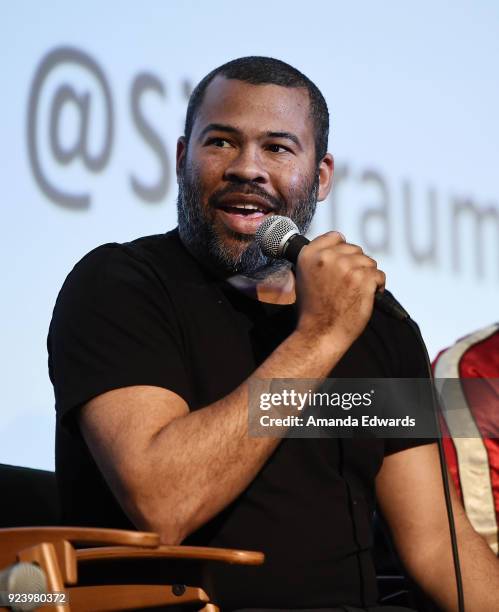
{"x":21,"y":578}
{"x":280,"y":238}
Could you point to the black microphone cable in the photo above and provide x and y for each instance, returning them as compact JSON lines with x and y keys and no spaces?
{"x":443,"y":466}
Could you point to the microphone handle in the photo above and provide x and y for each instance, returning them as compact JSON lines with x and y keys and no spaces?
{"x":293,"y":246}
{"x":383,"y":300}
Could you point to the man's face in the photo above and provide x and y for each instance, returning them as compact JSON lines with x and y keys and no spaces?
{"x":251,"y":154}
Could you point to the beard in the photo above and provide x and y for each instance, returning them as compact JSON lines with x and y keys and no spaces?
{"x":233,"y":253}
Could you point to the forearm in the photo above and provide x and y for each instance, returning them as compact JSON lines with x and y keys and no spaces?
{"x":434,"y":572}
{"x":201,"y":461}
{"x":410,"y":494}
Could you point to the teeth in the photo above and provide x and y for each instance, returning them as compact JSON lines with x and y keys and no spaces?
{"x":247,"y":206}
{"x":244,"y":206}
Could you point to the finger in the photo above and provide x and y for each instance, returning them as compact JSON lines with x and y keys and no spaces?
{"x":346,"y":248}
{"x":380,"y":280}
{"x":355,"y":260}
{"x":328,"y":239}
{"x":368,"y":277}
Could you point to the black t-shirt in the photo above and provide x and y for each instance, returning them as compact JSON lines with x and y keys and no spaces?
{"x":146,"y":313}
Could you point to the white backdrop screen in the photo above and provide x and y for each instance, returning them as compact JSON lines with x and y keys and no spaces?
{"x":93,"y":100}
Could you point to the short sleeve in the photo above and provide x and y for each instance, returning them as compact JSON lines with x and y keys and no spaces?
{"x":412,"y":364}
{"x":113,"y":326}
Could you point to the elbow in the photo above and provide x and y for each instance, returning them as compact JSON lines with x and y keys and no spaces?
{"x":171,"y":524}
{"x":166,"y":523}
{"x":176,"y":524}
{"x":164,"y":508}
{"x":169,"y":535}
{"x":171,"y":532}
{"x":161,"y":515}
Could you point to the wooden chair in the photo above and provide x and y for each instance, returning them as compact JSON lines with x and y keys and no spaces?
{"x":61,"y":551}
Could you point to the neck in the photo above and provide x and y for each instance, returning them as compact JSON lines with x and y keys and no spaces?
{"x":277,"y":288}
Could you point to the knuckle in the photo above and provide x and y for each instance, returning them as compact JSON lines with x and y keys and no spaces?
{"x":323,"y":257}
{"x":344,"y":263}
{"x":335,"y":236}
{"x":354,"y":275}
{"x":359,"y":274}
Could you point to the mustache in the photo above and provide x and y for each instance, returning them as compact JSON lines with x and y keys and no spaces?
{"x":276,"y":203}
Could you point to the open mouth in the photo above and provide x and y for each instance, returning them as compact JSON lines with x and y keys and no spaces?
{"x":243,"y":213}
{"x":245,"y":210}
{"x":243,"y":217}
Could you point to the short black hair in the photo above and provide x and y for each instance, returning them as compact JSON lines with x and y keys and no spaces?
{"x":259,"y":70}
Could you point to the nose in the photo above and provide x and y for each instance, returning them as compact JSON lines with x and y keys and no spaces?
{"x":246,"y":167}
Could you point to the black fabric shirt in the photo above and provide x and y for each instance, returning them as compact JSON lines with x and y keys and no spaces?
{"x":146,"y":313}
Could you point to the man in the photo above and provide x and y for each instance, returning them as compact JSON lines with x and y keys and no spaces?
{"x":153,"y":343}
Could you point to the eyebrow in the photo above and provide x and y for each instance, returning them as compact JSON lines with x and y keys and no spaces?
{"x":221,"y":127}
{"x":218,"y":127}
{"x":288,"y":135}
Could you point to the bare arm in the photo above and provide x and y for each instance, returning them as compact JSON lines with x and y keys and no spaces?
{"x":410,"y":494}
{"x":171,"y":469}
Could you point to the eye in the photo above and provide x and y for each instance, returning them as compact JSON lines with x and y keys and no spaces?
{"x":219,"y":142}
{"x":278,"y":148}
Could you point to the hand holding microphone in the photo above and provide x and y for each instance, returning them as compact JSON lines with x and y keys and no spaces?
{"x":336,"y":282}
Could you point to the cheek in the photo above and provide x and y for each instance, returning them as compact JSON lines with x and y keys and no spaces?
{"x":207,"y":172}
{"x":293,"y":182}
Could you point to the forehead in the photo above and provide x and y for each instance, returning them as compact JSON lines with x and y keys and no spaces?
{"x":256,"y":109}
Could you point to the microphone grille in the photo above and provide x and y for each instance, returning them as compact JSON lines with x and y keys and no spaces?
{"x":25,"y":578}
{"x":273,"y":233}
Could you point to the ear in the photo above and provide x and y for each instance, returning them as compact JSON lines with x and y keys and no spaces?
{"x":181,"y":153}
{"x":326,"y":172}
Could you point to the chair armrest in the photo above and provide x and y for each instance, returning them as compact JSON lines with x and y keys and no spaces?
{"x":26,"y":536}
{"x":200,"y":553}
{"x":17,"y":538}
{"x":131,"y":597}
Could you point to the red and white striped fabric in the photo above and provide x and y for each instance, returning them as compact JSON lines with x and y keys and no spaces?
{"x":473,"y":461}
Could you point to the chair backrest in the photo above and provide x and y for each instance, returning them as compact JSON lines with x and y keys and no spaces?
{"x":29,"y":497}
